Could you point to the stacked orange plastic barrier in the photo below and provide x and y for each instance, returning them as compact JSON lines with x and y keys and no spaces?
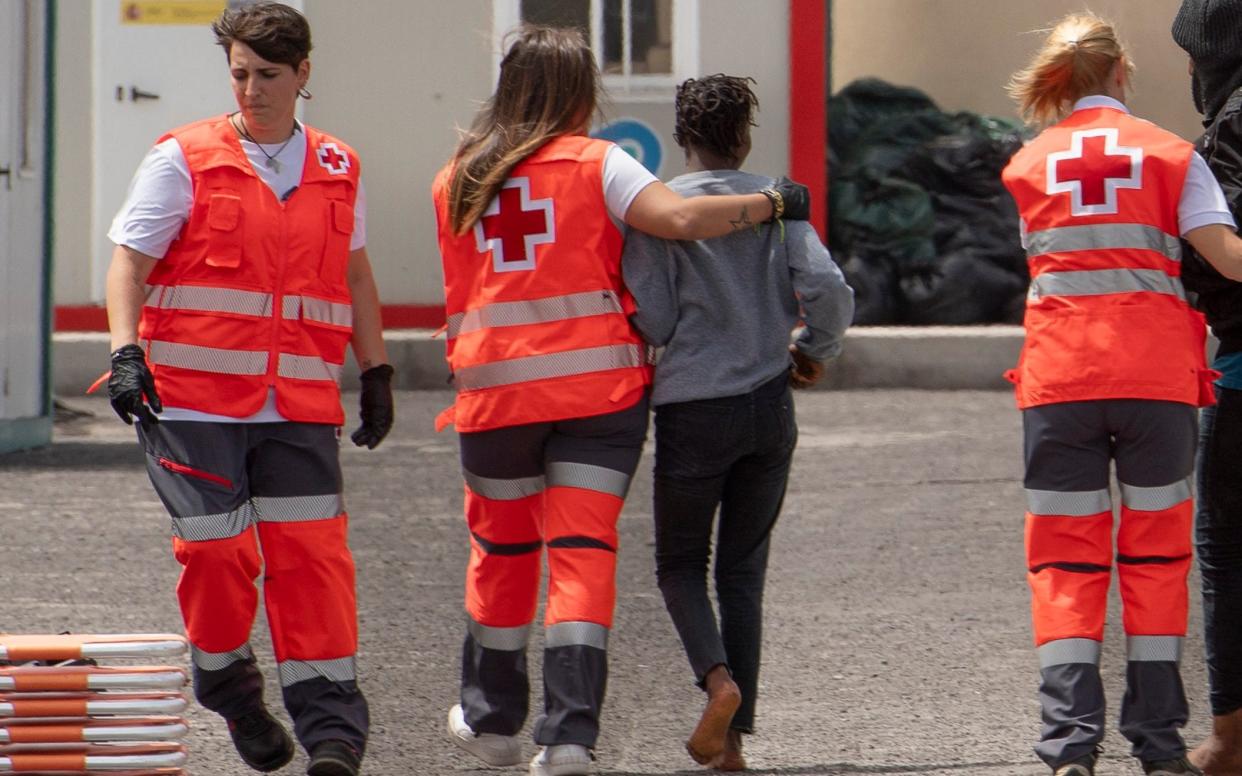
{"x":61,"y":712}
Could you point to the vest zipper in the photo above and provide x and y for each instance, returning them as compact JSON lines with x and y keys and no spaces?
{"x":278,"y":294}
{"x":190,"y":471}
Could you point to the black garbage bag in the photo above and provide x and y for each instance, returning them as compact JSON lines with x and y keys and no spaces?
{"x":892,"y":145}
{"x":988,"y":227}
{"x":876,"y":296}
{"x":890,"y":217}
{"x":961,"y":288}
{"x":865,"y":103}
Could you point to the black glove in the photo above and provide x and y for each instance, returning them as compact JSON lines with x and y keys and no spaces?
{"x":131,"y":387}
{"x":797,"y":199}
{"x":376,"y":412}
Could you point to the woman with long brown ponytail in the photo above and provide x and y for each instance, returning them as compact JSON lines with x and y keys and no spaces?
{"x":552,"y":384}
{"x":1112,"y":371}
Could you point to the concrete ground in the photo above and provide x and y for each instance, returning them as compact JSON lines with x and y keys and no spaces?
{"x":897,"y":633}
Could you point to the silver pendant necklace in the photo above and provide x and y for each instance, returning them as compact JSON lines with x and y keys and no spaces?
{"x":272,"y":162}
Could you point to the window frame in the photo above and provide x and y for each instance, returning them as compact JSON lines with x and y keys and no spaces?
{"x":625,"y":86}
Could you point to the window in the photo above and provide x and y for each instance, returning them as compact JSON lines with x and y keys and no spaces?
{"x":644,"y":47}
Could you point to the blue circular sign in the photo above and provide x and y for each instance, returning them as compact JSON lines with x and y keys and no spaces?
{"x":638,"y":139}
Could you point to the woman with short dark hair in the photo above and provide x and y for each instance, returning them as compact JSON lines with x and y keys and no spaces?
{"x":239,"y":279}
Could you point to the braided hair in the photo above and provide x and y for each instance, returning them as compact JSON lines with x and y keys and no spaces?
{"x":715,"y":113}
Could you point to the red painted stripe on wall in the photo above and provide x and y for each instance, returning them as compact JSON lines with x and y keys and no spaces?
{"x":396,"y":316}
{"x":808,"y":113}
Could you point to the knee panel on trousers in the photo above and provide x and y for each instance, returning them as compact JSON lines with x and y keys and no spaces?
{"x":217,"y":590}
{"x":309,"y":589}
{"x":581,"y":535}
{"x":506,"y":544}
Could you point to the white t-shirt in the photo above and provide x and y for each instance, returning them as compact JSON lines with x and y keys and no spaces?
{"x":160,"y":198}
{"x":624,"y":177}
{"x":1202,"y":201}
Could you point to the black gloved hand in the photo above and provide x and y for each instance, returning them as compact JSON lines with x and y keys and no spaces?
{"x":797,"y":199}
{"x":131,"y":387}
{"x":377,"y":407}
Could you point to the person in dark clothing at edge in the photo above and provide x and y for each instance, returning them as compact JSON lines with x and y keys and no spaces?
{"x":723,"y":309}
{"x":1210,"y":32}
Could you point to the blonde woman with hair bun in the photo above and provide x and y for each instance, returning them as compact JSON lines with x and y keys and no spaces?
{"x":1112,"y":373}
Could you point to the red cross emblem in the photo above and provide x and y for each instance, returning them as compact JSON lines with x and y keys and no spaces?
{"x":332,"y":159}
{"x":513,"y":225}
{"x":1093,"y":169}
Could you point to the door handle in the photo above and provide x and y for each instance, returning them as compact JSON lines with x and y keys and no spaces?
{"x":7,"y":174}
{"x":136,"y":94}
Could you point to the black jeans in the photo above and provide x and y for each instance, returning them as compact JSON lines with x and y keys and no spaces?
{"x":733,"y":453}
{"x":1218,"y":538}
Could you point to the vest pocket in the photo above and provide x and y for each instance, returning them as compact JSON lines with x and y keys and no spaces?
{"x":336,"y":241}
{"x":224,"y":217}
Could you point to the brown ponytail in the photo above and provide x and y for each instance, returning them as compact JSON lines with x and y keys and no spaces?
{"x":1076,"y":60}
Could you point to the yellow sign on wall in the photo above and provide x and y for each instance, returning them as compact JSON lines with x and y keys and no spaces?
{"x":171,"y":11}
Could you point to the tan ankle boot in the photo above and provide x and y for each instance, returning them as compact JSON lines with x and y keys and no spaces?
{"x":707,"y":742}
{"x":1220,"y":754}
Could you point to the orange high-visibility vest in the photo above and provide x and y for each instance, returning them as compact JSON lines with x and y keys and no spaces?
{"x":252,"y":294}
{"x":538,"y":326}
{"x":1106,"y":315}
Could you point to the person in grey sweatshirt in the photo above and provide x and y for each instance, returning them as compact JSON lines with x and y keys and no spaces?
{"x":723,"y":310}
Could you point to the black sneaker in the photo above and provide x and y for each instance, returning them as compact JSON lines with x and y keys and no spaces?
{"x":262,"y":742}
{"x":1176,"y":767}
{"x":1079,"y":766}
{"x":333,"y":758}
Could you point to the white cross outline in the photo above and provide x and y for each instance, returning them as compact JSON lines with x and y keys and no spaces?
{"x":496,"y":244}
{"x":1111,"y":185}
{"x":332,"y":170}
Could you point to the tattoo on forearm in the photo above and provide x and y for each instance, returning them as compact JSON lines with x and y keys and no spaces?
{"x":366,"y":364}
{"x":742,"y":221}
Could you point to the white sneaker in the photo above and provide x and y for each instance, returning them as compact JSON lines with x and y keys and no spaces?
{"x":491,"y":748}
{"x":562,"y":760}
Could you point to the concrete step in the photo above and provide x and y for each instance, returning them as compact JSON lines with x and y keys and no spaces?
{"x":932,"y":357}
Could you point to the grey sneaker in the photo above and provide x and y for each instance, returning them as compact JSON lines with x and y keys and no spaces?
{"x":1177,"y":767}
{"x":491,"y":748}
{"x":562,"y":760}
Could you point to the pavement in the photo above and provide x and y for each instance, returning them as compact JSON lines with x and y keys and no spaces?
{"x":897,"y":630}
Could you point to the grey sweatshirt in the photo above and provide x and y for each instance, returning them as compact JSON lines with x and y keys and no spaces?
{"x":723,"y":308}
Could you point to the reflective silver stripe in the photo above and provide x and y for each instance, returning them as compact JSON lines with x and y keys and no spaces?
{"x":1064,"y":239}
{"x":503,"y":490}
{"x":308,"y":368}
{"x":1155,"y":499}
{"x":1073,"y":503}
{"x":570,"y":634}
{"x":204,"y":528}
{"x":567,"y":474}
{"x":1062,"y":651}
{"x":341,"y":669}
{"x":210,"y":299}
{"x":552,"y":308}
{"x":323,"y":311}
{"x":500,"y":639}
{"x":564,"y":364}
{"x":216,"y":661}
{"x":291,"y":307}
{"x":1105,"y":281}
{"x":1154,"y":649}
{"x":205,"y":359}
{"x":297,"y":509}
